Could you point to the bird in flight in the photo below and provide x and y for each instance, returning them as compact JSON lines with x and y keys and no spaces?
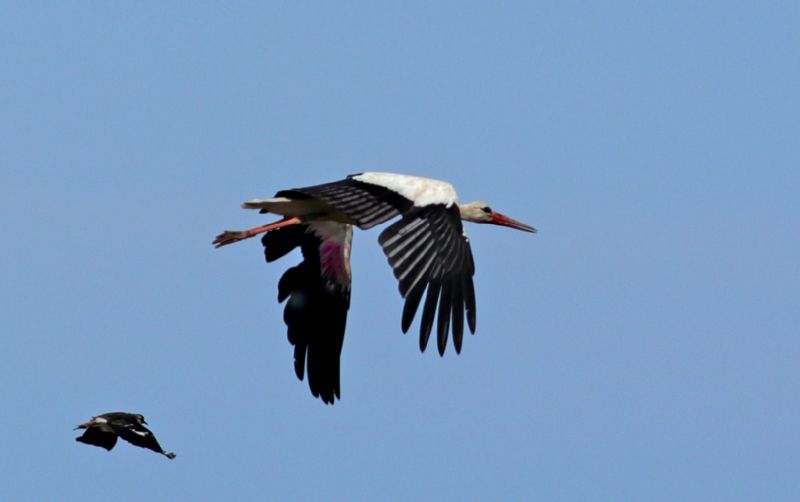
{"x":427,"y":250}
{"x":103,"y":430}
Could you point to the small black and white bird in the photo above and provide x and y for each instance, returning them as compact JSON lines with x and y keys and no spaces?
{"x":427,"y":249}
{"x":103,"y":430}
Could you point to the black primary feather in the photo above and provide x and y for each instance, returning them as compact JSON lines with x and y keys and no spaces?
{"x":428,"y":251}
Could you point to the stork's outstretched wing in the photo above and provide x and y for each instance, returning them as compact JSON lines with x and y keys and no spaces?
{"x":428,"y":250}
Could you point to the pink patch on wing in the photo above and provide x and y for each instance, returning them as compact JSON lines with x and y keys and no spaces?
{"x":334,"y":262}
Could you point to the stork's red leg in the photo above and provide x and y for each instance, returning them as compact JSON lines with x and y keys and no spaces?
{"x":231,"y":236}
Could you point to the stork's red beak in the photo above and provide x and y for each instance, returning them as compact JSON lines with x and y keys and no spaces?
{"x":505,"y":221}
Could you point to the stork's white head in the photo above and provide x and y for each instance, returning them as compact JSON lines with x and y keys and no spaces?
{"x":480,"y":212}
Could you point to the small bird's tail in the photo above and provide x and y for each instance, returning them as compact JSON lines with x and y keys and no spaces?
{"x":170,"y":455}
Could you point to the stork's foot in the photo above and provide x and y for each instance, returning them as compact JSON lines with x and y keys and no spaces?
{"x":229,"y":237}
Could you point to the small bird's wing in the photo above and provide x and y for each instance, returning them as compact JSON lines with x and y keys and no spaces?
{"x":101,"y":435}
{"x":318,"y":292}
{"x":428,"y":249}
{"x":139,"y":435}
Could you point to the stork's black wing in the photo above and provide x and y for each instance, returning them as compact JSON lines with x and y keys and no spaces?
{"x":99,"y":436}
{"x":318,"y":292}
{"x":428,"y":250}
{"x":366,"y":204}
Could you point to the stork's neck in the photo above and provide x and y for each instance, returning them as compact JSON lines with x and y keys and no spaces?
{"x":476,"y":211}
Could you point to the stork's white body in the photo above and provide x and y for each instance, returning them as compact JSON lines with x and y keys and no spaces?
{"x":421,"y":191}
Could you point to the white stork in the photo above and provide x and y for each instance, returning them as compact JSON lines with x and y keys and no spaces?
{"x":427,"y":249}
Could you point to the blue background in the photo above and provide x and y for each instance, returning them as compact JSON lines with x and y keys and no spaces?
{"x":642,"y":346}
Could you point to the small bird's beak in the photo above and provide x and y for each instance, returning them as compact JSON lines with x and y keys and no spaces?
{"x":84,"y":425}
{"x":505,"y":221}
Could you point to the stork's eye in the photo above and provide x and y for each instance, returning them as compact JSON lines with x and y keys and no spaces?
{"x":486,"y":209}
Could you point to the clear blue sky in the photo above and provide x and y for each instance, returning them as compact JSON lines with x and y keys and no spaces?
{"x":642,"y":346}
